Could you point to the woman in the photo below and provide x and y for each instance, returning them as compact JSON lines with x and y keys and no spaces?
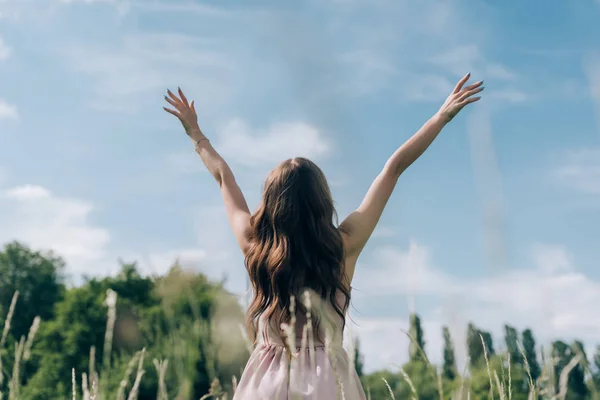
{"x":291,"y":245}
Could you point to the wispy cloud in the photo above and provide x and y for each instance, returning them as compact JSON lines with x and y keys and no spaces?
{"x":420,"y":49}
{"x":145,"y":63}
{"x":466,"y":58}
{"x":5,"y":51}
{"x":87,"y":1}
{"x":581,"y":170}
{"x":7,"y":110}
{"x":249,"y":147}
{"x":35,"y":216}
{"x":550,"y":295}
{"x":246,"y":146}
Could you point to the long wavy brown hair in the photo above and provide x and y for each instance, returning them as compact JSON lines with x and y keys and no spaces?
{"x":295,"y":245}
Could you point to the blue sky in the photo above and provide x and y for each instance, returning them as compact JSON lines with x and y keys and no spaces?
{"x":497,"y":222}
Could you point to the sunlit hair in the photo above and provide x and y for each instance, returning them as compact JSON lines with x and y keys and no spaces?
{"x":294,"y":245}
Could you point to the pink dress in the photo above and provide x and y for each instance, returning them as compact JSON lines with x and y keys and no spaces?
{"x":269,"y":374}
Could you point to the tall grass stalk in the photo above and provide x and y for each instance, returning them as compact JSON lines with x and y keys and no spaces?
{"x":413,"y":390}
{"x":161,"y":371}
{"x":389,"y":389}
{"x":84,"y":386}
{"x":487,"y":363}
{"x":7,"y":321}
{"x":125,"y":381}
{"x":73,"y":384}
{"x":532,"y":384}
{"x":111,"y":303}
{"x":138,"y":378}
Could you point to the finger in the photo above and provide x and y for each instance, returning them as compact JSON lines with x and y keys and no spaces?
{"x":474,"y":85}
{"x":470,"y":93}
{"x":173,"y":97}
{"x":172,"y":102}
{"x":183,"y":98}
{"x":461,"y":83}
{"x":469,"y":101}
{"x":192,"y":106}
{"x":175,"y":113}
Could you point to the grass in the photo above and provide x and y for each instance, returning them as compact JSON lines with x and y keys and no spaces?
{"x":93,"y":385}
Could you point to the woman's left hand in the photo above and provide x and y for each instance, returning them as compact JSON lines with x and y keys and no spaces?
{"x":186,"y":113}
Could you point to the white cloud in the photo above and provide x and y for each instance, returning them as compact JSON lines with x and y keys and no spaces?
{"x":5,"y":51}
{"x":382,"y":231}
{"x":35,"y":216}
{"x":254,"y":147}
{"x":408,"y":272}
{"x":468,"y":58}
{"x":215,"y":253}
{"x":159,"y":263}
{"x":124,"y":74}
{"x":8,"y":110}
{"x":431,"y":45}
{"x":509,"y":95}
{"x":581,"y":170}
{"x":87,"y":1}
{"x":385,"y":345}
{"x":550,"y":296}
{"x":245,"y":146}
{"x":182,"y":7}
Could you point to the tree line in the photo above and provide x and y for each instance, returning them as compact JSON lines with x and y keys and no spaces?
{"x":563,"y":371}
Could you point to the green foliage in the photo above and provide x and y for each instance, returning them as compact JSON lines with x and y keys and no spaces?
{"x":480,"y":380}
{"x":180,"y":317}
{"x":476,"y":339}
{"x":416,"y":348}
{"x":38,"y":278}
{"x":511,"y":338}
{"x":449,"y":367}
{"x":190,"y":325}
{"x":358,"y":358}
{"x":528,"y":343}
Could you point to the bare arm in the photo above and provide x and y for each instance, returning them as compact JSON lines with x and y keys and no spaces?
{"x":360,"y":224}
{"x":236,"y":207}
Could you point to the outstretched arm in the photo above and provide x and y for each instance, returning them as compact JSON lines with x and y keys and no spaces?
{"x":235,"y":203}
{"x":360,"y":224}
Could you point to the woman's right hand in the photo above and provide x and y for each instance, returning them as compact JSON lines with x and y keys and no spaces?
{"x":186,"y":113}
{"x":459,"y":98}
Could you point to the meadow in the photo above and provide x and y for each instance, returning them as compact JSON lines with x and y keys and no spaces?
{"x":181,"y":336}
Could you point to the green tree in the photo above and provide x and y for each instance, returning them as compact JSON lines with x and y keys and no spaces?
{"x":578,"y":388}
{"x":489,"y":342}
{"x":358,"y":358}
{"x":375,"y":386}
{"x":511,"y":338}
{"x":528,"y":343}
{"x":597,"y":367}
{"x":80,"y":324}
{"x":561,"y":355}
{"x":480,"y":380}
{"x":38,"y":278}
{"x":475,"y":347}
{"x":423,"y":378}
{"x":449,"y":367}
{"x":416,"y":347}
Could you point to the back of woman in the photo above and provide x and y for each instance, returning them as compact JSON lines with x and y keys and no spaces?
{"x":301,"y":264}
{"x":296,"y":262}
